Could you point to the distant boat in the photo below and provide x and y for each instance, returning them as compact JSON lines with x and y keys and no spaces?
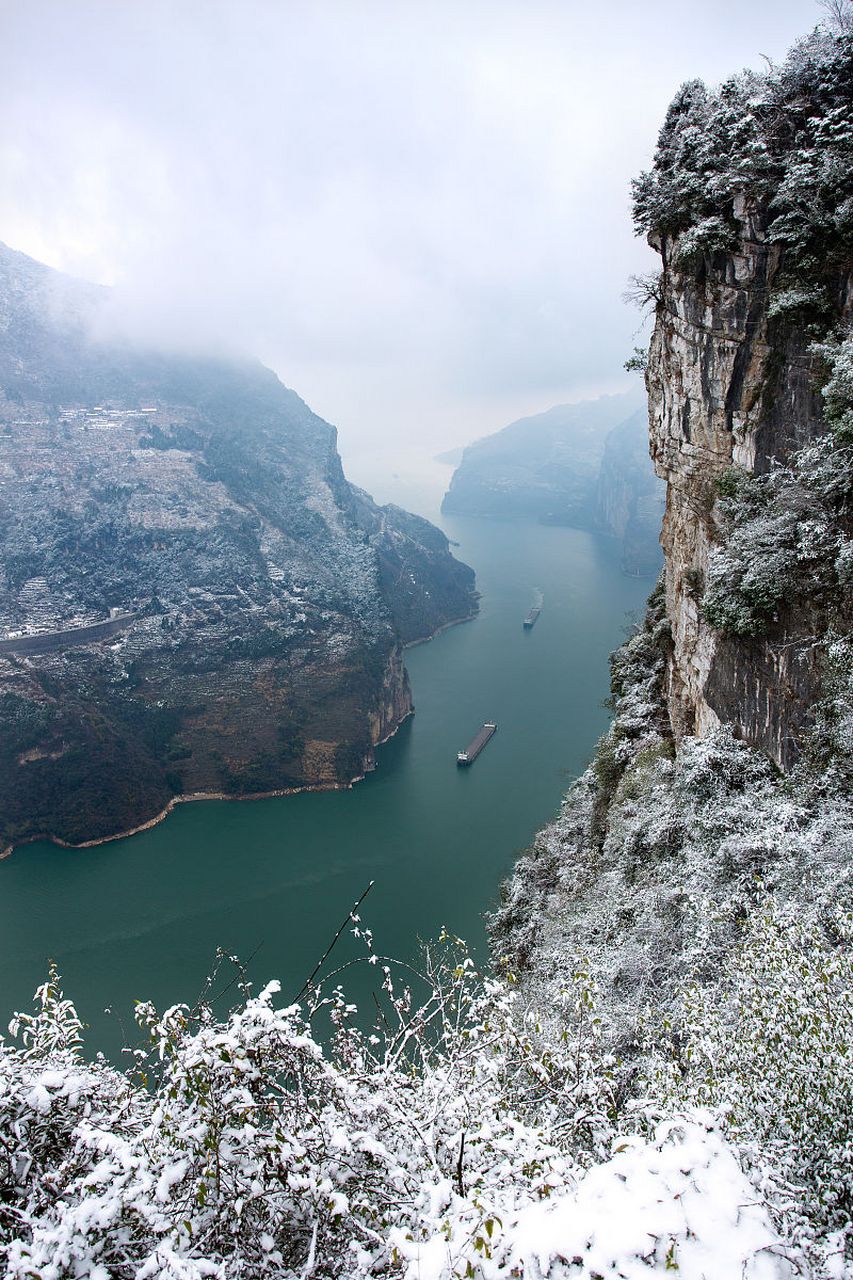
{"x":530,"y":620}
{"x":469,"y":755}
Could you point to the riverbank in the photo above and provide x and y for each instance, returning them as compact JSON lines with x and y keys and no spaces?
{"x":198,"y":796}
{"x":454,"y":622}
{"x":193,"y":798}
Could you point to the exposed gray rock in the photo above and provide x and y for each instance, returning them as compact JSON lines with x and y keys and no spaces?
{"x":731,"y":385}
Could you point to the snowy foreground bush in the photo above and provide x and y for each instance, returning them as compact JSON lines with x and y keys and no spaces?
{"x":772,"y":1051}
{"x":465,"y":1140}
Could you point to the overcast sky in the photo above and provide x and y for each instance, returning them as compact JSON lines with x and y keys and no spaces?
{"x":416,"y":211}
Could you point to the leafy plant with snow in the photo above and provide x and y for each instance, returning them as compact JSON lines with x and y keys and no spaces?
{"x":771,"y":1052}
{"x":837,"y":353}
{"x":783,"y":535}
{"x":464,"y":1140}
{"x":239,"y":1148}
{"x":829,"y":746}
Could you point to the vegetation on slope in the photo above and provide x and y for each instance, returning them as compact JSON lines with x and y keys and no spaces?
{"x":461,"y":1139}
{"x":780,"y":140}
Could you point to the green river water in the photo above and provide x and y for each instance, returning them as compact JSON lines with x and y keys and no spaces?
{"x":272,"y":879}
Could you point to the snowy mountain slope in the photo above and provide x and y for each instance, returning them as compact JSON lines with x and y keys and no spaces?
{"x":206,"y":503}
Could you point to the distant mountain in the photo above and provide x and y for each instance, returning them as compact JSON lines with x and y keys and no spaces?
{"x":629,"y":498}
{"x":260,"y":601}
{"x":585,"y":465}
{"x":451,"y":457}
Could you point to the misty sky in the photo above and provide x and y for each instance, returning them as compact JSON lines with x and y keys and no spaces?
{"x":416,"y":212}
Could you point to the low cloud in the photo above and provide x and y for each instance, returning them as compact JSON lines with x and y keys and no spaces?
{"x":417,"y":213}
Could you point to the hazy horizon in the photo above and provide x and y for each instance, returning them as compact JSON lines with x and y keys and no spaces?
{"x":418,"y":215}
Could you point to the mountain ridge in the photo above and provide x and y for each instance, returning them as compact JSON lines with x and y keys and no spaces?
{"x":584,"y":465}
{"x":271,"y":599}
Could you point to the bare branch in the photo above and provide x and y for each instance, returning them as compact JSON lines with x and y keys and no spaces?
{"x":839,"y":14}
{"x":645,"y":292}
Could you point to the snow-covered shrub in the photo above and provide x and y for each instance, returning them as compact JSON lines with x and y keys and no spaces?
{"x":795,"y":303}
{"x":828,"y":747}
{"x":838,"y":387}
{"x":636,"y":674}
{"x":241,"y":1148}
{"x":677,"y":1203}
{"x":783,"y":535}
{"x":469,"y":1138}
{"x":779,"y":140}
{"x":668,"y":908}
{"x":709,"y":235}
{"x":770,"y":1051}
{"x":64,"y":1124}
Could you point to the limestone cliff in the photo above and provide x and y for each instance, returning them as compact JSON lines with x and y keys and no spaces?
{"x":727,"y":772}
{"x":730,"y":385}
{"x":753,"y":230}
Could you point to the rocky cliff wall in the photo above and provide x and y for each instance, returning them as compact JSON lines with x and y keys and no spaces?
{"x":683,"y":833}
{"x":731,"y":384}
{"x":749,"y":202}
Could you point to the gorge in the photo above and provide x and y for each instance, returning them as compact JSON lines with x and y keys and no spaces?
{"x":583,"y":465}
{"x":654,"y":1075}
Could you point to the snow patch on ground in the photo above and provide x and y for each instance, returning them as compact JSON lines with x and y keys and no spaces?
{"x":679,"y":1203}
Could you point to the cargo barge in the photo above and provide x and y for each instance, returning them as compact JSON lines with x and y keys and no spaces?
{"x":530,"y":620}
{"x":469,"y":755}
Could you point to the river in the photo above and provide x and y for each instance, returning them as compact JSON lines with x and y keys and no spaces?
{"x":271,"y":880}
